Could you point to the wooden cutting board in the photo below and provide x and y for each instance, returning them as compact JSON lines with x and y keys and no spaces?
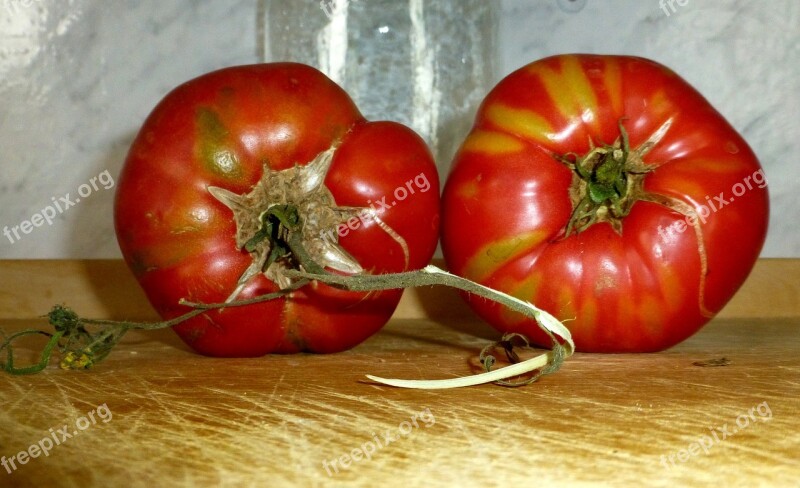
{"x":721,"y":409}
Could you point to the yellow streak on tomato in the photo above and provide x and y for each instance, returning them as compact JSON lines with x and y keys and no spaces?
{"x":683,"y":187}
{"x":588,"y":313}
{"x":468,"y":190}
{"x":626,"y":309}
{"x":651,"y":315}
{"x":526,"y":291}
{"x":524,"y":123}
{"x":569,"y":88}
{"x":732,"y":165}
{"x":671,"y":288}
{"x":660,"y":106}
{"x":496,"y":254}
{"x":567,"y":299}
{"x":680,"y":180}
{"x":613,"y":82}
{"x":493,"y":143}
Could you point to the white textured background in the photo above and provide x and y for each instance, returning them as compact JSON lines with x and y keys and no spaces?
{"x":78,"y":77}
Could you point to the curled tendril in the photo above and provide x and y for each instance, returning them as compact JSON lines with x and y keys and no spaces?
{"x":507,"y":343}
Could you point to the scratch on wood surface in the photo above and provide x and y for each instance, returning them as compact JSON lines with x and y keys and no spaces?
{"x":275,"y":421}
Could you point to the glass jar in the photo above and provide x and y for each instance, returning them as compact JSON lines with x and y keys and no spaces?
{"x":423,"y":63}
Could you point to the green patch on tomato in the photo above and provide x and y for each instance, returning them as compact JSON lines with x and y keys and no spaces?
{"x":214,"y":147}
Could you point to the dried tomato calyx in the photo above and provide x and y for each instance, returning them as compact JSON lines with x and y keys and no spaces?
{"x":282,"y":226}
{"x":608,"y":180}
{"x":289,"y":220}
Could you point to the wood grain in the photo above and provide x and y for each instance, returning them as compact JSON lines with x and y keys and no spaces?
{"x":106,"y":289}
{"x":184,"y":420}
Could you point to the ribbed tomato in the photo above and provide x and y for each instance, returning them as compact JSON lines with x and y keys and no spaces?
{"x":221,"y":158}
{"x":608,"y":191}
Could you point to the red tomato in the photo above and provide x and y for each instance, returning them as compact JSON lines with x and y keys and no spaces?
{"x":635,"y":241}
{"x":221,"y":149}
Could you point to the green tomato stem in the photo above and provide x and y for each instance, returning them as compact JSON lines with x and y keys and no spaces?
{"x":81,"y":349}
{"x":84,"y":349}
{"x":431,"y":275}
{"x":282,"y":226}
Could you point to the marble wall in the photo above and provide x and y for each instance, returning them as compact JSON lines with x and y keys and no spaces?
{"x":78,"y":77}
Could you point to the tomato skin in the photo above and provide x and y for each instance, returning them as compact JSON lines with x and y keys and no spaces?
{"x":507,"y":201}
{"x":220,"y":129}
